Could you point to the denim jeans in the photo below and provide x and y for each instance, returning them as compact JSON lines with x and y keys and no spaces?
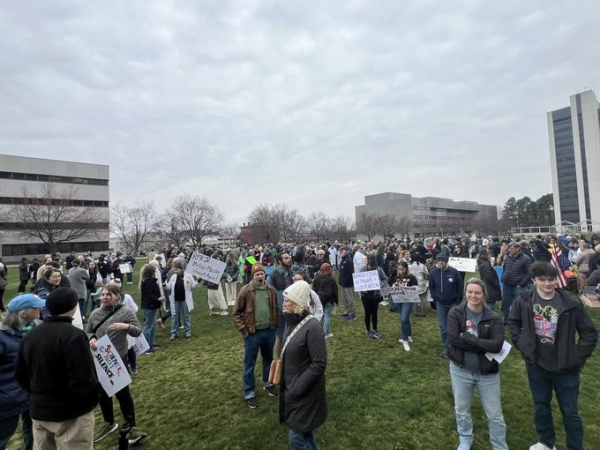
{"x":442,"y":313}
{"x":463,"y":383}
{"x":150,"y":316}
{"x":262,"y":340}
{"x":566,"y":387}
{"x":327,"y":308}
{"x":509,"y":294}
{"x":405,"y":310}
{"x":181,"y":308}
{"x":9,"y":425}
{"x":302,"y":441}
{"x":129,"y":277}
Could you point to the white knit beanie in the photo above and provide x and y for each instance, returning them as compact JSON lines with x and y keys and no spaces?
{"x":299,"y":293}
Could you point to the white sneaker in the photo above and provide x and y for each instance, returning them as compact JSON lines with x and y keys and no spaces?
{"x":330,"y":335}
{"x":384,"y":303}
{"x":224,"y":313}
{"x":540,"y":446}
{"x":410,"y":339}
{"x":405,"y":345}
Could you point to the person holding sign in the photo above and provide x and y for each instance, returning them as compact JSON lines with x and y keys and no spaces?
{"x":403,"y":278}
{"x":116,"y":321}
{"x":56,"y":367}
{"x":474,"y":330}
{"x":371,"y":299}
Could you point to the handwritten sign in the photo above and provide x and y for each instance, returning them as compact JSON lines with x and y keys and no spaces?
{"x":140,"y":344}
{"x":366,"y":281}
{"x":407,"y":294}
{"x":125,"y":268}
{"x":205,"y":267}
{"x":463,"y":264}
{"x":112,"y":372}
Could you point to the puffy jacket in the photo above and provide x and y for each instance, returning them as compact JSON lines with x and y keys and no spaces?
{"x":326,"y":287}
{"x":490,"y":337}
{"x":346,"y":267}
{"x":150,"y":293}
{"x":573,"y":320}
{"x":446,"y":286}
{"x":13,"y":398}
{"x":515,"y":270}
{"x":490,"y":277}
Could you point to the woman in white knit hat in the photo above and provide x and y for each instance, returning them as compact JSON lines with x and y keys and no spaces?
{"x":302,"y":399}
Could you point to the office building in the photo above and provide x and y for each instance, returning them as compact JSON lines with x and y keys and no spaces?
{"x":574,"y":137}
{"x":77,"y":186}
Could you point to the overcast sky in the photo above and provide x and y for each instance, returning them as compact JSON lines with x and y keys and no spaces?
{"x":311,"y":103}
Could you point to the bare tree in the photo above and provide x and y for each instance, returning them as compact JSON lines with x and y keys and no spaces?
{"x":294,"y":225}
{"x":169,"y":230}
{"x":56,"y":216}
{"x":195,"y":217}
{"x":405,"y":226}
{"x":365,"y":224}
{"x":267,"y":221}
{"x":231,"y":232}
{"x":320,"y":226}
{"x":134,"y":224}
{"x":386,"y":225}
{"x":343,"y":228}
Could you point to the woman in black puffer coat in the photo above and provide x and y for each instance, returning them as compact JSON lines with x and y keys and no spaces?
{"x":489,"y":276}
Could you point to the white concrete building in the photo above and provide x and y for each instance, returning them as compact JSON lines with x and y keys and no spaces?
{"x":574,"y":137}
{"x":88,"y":182}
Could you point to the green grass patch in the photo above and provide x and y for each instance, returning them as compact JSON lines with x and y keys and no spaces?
{"x":189,"y":394}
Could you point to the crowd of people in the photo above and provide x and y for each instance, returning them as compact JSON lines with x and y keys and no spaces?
{"x":283,"y":298}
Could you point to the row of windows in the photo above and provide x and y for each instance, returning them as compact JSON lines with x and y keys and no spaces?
{"x":563,"y":136}
{"x":54,"y":202}
{"x":17,"y":226}
{"x":42,"y":249}
{"x":565,"y":159}
{"x":52,"y":178}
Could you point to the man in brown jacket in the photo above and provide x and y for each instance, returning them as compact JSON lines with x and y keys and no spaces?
{"x":255,"y":315}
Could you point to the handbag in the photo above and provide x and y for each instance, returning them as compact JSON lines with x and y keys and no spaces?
{"x":275,"y":370}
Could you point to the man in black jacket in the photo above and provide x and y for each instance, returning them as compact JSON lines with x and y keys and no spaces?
{"x":543,"y":324}
{"x":55,"y":365}
{"x":515,"y":276}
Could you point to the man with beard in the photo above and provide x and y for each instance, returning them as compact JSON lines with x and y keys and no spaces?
{"x":255,"y":315}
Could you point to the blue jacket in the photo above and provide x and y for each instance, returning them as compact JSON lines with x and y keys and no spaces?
{"x":446,"y":286}
{"x":13,"y":398}
{"x":346,"y":267}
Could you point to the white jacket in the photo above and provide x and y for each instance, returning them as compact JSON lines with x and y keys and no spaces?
{"x":189,"y":283}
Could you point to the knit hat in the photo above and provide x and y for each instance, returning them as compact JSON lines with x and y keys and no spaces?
{"x":299,"y":293}
{"x":326,"y":268}
{"x":441,"y":256}
{"x":24,"y":301}
{"x":61,"y":300}
{"x":257,"y":267}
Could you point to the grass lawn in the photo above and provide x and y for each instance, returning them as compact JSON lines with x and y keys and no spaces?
{"x":189,"y":394}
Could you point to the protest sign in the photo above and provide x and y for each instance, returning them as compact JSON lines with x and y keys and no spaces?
{"x":125,"y":268}
{"x":463,"y":264}
{"x":140,"y":344}
{"x":112,"y":372}
{"x":406,"y":294}
{"x":366,"y":281}
{"x":205,"y":267}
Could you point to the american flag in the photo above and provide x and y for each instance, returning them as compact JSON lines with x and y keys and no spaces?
{"x":556,"y":254}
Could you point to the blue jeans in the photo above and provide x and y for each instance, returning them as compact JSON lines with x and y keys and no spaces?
{"x":130,"y":277}
{"x":181,"y":308}
{"x":327,"y":308}
{"x":405,"y":310}
{"x":262,"y":340}
{"x":442,"y":313}
{"x":463,"y":383}
{"x":566,"y":387}
{"x":9,"y":425}
{"x":302,"y":441}
{"x":150,"y":316}
{"x":509,"y":294}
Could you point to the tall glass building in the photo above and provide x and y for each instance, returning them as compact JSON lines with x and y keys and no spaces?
{"x":574,"y":136}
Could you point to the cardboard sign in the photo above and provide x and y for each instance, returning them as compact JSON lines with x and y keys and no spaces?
{"x":140,"y":344}
{"x":407,"y":294}
{"x":125,"y":268}
{"x":205,"y":267}
{"x":112,"y":372}
{"x":366,"y":281}
{"x":463,"y":264}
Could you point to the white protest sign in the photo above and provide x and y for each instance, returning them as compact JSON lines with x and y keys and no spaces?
{"x":140,"y":344}
{"x":125,"y":268}
{"x":406,"y":294}
{"x":112,"y":373}
{"x":205,"y":267}
{"x":501,"y":355}
{"x":463,"y":264}
{"x":366,"y":281}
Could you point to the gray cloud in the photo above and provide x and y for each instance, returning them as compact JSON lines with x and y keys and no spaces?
{"x":314,"y":104}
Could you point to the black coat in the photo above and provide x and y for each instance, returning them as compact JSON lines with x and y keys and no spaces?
{"x":572,"y":321}
{"x":490,"y":277}
{"x":150,"y":293}
{"x":490,"y":338}
{"x":516,"y":270}
{"x":55,"y":365}
{"x":302,"y":398}
{"x":327,"y":288}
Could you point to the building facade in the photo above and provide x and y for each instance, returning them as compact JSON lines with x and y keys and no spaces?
{"x":76,"y":186}
{"x":574,"y":138}
{"x":426,"y":216}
